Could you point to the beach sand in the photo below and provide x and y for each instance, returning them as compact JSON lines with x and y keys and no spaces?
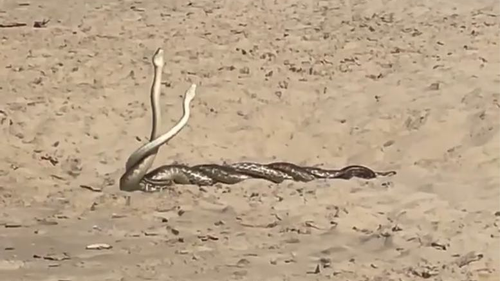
{"x":410,"y":86}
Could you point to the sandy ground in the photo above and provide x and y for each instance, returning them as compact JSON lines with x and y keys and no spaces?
{"x":412,"y":86}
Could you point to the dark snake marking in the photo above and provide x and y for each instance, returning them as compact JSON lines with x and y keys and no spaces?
{"x":278,"y":172}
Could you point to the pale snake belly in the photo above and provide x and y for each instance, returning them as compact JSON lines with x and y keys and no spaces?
{"x":137,"y":177}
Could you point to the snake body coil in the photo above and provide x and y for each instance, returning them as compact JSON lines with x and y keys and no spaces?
{"x":137,"y":177}
{"x":210,"y":174}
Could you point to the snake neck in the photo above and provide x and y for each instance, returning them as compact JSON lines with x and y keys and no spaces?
{"x":132,"y":178}
{"x":155,"y":107}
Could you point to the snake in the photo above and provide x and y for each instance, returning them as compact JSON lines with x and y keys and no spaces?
{"x":137,"y":176}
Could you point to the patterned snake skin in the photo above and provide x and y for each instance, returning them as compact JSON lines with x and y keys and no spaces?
{"x":210,"y":174}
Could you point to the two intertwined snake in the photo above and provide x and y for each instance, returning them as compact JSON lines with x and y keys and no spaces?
{"x":136,"y":176}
